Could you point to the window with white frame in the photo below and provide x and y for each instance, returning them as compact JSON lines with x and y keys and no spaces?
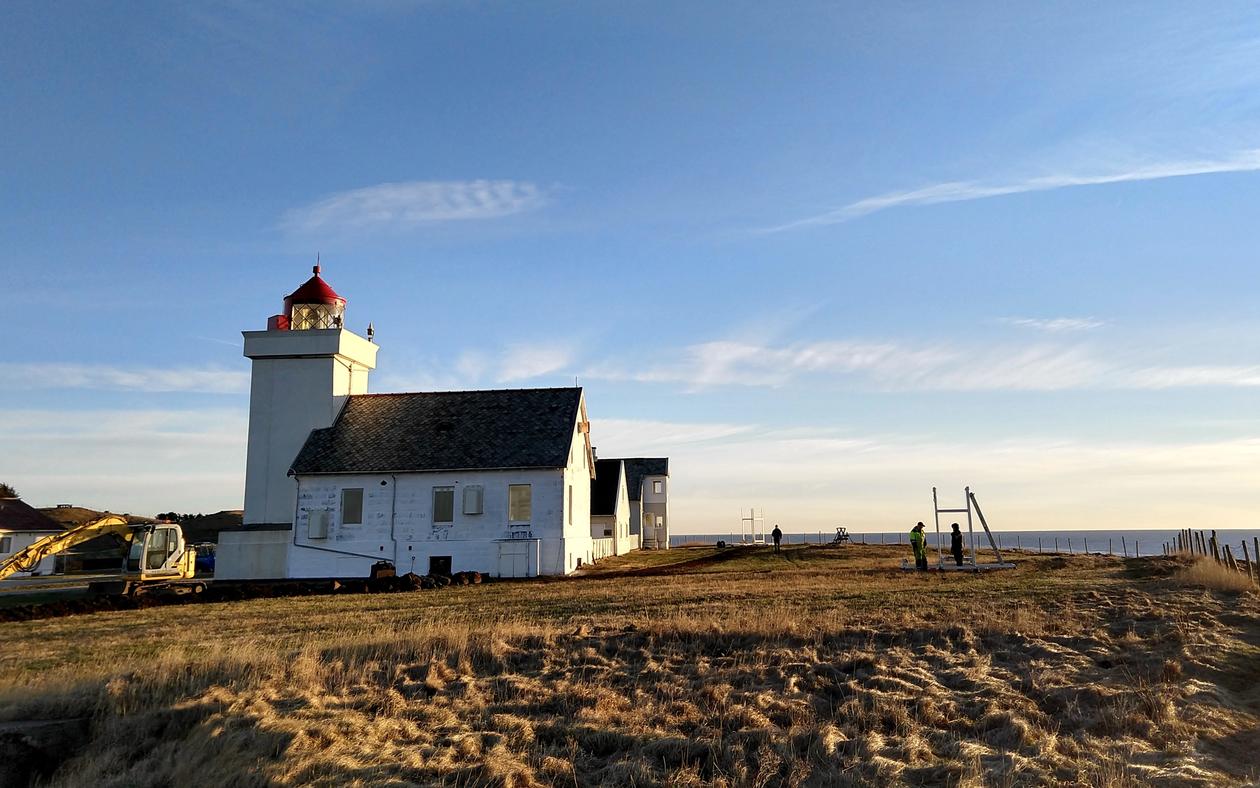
{"x":352,"y":506}
{"x":443,"y":505}
{"x":519,"y":503}
{"x":6,"y":544}
{"x":474,"y":499}
{"x":658,"y":486}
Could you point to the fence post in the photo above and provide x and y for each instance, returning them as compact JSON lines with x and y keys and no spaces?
{"x":1216,"y":548}
{"x":1070,"y":546}
{"x":1056,"y":545}
{"x":1109,"y":550}
{"x":1039,"y":550}
{"x":1124,"y":545}
{"x":1017,"y":540}
{"x":1137,"y":549}
{"x":1086,"y":538}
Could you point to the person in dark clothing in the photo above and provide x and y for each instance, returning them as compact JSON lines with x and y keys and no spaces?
{"x":955,"y":544}
{"x":777,"y":536}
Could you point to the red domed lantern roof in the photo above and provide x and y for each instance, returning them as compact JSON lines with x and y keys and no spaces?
{"x":314,"y":291}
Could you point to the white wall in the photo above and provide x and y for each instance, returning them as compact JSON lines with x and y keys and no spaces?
{"x":19,"y":540}
{"x":252,"y":555}
{"x":577,"y":477}
{"x":300,"y":381}
{"x":398,"y":524}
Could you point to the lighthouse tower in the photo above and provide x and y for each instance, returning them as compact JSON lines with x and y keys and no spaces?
{"x":305,"y":366}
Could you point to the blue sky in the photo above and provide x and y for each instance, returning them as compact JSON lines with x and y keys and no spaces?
{"x":824,"y":256}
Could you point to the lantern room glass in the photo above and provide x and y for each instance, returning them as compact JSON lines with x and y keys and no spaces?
{"x":311,"y":316}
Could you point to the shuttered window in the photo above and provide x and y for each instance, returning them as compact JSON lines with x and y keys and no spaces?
{"x":443,"y":504}
{"x":474,"y":499}
{"x":6,"y":544}
{"x":519,"y":503}
{"x":352,"y":506}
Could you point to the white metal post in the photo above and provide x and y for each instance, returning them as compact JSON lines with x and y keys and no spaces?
{"x":936,"y":509}
{"x":970,"y":531}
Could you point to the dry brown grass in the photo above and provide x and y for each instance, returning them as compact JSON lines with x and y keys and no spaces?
{"x":1207,"y":573}
{"x":819,"y":667}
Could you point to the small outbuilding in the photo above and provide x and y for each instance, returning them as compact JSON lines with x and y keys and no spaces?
{"x":610,"y":510}
{"x":21,"y":525}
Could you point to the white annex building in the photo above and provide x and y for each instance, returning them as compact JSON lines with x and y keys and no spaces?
{"x":20,"y":527}
{"x":496,"y":481}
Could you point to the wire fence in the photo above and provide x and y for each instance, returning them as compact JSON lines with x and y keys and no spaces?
{"x":1200,"y":543}
{"x":1124,"y":546}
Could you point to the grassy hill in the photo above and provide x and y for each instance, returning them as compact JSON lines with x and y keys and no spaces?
{"x":199,"y":528}
{"x":820,"y":666}
{"x":69,"y":516}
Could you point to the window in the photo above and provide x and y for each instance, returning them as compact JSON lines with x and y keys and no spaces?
{"x":161,"y":545}
{"x":352,"y":506}
{"x":317,"y":524}
{"x":6,"y":544}
{"x":658,"y":487}
{"x":474,"y":499}
{"x":443,"y":505}
{"x":308,"y":316}
{"x":519,"y":500}
{"x":570,"y":504}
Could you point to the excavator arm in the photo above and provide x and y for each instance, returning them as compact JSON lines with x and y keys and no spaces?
{"x":28,"y":558}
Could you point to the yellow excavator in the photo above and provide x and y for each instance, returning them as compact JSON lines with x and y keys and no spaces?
{"x":157,"y":556}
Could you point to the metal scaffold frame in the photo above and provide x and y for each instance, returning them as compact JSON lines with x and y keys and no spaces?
{"x":752,"y":528}
{"x":970,"y":503}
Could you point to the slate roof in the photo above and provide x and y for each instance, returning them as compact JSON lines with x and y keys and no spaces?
{"x":17,"y":515}
{"x":604,"y":487}
{"x":638,"y":467}
{"x":446,"y":431}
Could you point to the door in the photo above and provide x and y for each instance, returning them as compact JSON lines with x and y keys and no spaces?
{"x":162,"y":550}
{"x":514,"y":558}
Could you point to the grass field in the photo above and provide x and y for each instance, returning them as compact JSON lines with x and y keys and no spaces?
{"x":820,"y":666}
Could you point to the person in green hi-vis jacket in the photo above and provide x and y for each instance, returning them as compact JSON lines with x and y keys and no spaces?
{"x":919,"y":544}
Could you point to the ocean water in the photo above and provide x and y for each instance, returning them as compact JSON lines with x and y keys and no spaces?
{"x":1135,"y":542}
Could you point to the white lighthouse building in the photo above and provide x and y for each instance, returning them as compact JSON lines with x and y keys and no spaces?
{"x":338,"y":479}
{"x":305,"y":366}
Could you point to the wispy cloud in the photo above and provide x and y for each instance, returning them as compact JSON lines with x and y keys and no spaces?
{"x":410,"y":204}
{"x":1055,"y":325}
{"x":523,"y":362}
{"x":105,"y":377}
{"x":959,"y":191}
{"x":812,"y":478}
{"x":1182,"y":377}
{"x":897,"y":367}
{"x":512,"y":364}
{"x":141,"y":461}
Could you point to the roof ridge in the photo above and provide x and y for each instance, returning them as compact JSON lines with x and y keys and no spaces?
{"x":466,"y":391}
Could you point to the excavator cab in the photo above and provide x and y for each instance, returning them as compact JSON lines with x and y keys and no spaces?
{"x":158,"y":551}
